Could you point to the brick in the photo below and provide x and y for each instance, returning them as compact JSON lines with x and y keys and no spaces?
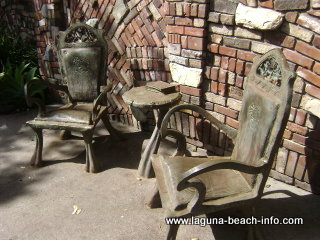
{"x":227,"y":19}
{"x":186,"y":9}
{"x":299,"y":139}
{"x":179,"y":9}
{"x":214,"y":17}
{"x":202,"y":9}
{"x":309,"y":76}
{"x":195,"y":43}
{"x":232,"y":64}
{"x":236,"y":42}
{"x":266,"y":4}
{"x":194,"y":10}
{"x":281,"y":160}
{"x":240,"y":67}
{"x":290,"y":4}
{"x":247,"y":68}
{"x":184,"y":41}
{"x":246,"y":33}
{"x":294,"y":146}
{"x":310,"y":22}
{"x":247,"y":56}
{"x":225,"y":62}
{"x":298,"y":58}
{"x":220,"y":29}
{"x":214,"y":87}
{"x":297,"y":31}
{"x":234,"y":104}
{"x":214,"y":73}
{"x":291,"y":163}
{"x":215,"y":38}
{"x":287,"y":134}
{"x":300,"y":117}
{"x":211,"y":97}
{"x":231,"y":52}
{"x":313,"y":91}
{"x":232,"y":123}
{"x":199,"y":22}
{"x":195,"y":63}
{"x":222,"y":76}
{"x":316,"y":68}
{"x":297,"y":128}
{"x":315,"y":3}
{"x":226,"y":111}
{"x":214,"y":48}
{"x":291,"y":17}
{"x":225,"y":6}
{"x":222,"y":89}
{"x":300,"y":167}
{"x":316,"y":41}
{"x":172,"y":9}
{"x":183,"y":21}
{"x":278,"y":38}
{"x":175,"y":29}
{"x":196,"y":32}
{"x":292,"y":115}
{"x":190,"y":90}
{"x":239,"y":81}
{"x":235,"y":92}
{"x":314,"y":12}
{"x":261,"y":48}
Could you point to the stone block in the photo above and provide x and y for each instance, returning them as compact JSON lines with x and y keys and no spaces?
{"x":185,"y":75}
{"x":296,"y":31}
{"x":119,"y":11}
{"x":246,"y":33}
{"x":262,"y":48}
{"x":310,"y":22}
{"x":214,"y":98}
{"x":174,"y":48}
{"x":290,"y":4}
{"x":258,"y":18}
{"x":214,"y":17}
{"x":220,"y":29}
{"x":225,"y":6}
{"x":315,"y":3}
{"x":236,"y":42}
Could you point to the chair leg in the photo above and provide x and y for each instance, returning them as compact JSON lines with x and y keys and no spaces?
{"x":92,"y":165}
{"x":113,"y":132}
{"x":153,"y":199}
{"x":65,"y":135}
{"x":172,"y":232}
{"x":36,"y":158}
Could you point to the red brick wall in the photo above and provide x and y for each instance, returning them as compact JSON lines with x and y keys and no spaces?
{"x":203,"y":35}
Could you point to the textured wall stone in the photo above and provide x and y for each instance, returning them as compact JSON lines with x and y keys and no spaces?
{"x":258,"y":18}
{"x":313,"y":107}
{"x":186,"y":76}
{"x":290,"y":4}
{"x":225,"y":6}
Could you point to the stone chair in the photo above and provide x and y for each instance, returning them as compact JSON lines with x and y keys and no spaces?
{"x":192,"y":186}
{"x":82,"y":53}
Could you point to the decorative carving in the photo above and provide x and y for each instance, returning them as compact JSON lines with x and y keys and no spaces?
{"x":254,"y":111}
{"x":80,"y":35}
{"x":270,"y":70}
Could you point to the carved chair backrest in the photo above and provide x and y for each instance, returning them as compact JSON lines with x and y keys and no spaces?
{"x":265,"y":111}
{"x":82,"y":54}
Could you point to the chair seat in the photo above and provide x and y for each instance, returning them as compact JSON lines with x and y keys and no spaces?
{"x":219,"y":183}
{"x":80,"y":113}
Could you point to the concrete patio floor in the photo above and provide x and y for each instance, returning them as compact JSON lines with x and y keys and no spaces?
{"x":37,"y":204}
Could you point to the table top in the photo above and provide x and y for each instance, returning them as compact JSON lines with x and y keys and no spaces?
{"x":142,"y":97}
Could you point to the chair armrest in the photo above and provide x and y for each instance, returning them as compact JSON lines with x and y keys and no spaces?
{"x":228,"y":130}
{"x":210,"y":165}
{"x":32,"y":100}
{"x":99,"y":100}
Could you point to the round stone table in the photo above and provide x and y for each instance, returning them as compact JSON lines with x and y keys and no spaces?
{"x":140,"y":100}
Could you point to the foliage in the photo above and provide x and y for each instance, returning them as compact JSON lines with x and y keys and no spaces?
{"x":12,"y":81}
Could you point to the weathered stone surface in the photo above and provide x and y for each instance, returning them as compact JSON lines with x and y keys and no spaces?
{"x":313,"y":107}
{"x":261,"y":47}
{"x":174,"y":48}
{"x":220,"y":29}
{"x":309,"y":22}
{"x":236,"y":42}
{"x":258,"y":18}
{"x":296,"y":31}
{"x":290,"y":4}
{"x":215,"y":98}
{"x":93,"y":22}
{"x":246,"y":33}
{"x":178,"y":59}
{"x":184,"y":75}
{"x":120,"y":9}
{"x":214,"y":17}
{"x":315,"y":3}
{"x":227,"y":19}
{"x":225,"y":6}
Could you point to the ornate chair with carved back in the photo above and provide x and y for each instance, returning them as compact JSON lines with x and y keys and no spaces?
{"x":191,"y":186}
{"x":82,"y":52}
